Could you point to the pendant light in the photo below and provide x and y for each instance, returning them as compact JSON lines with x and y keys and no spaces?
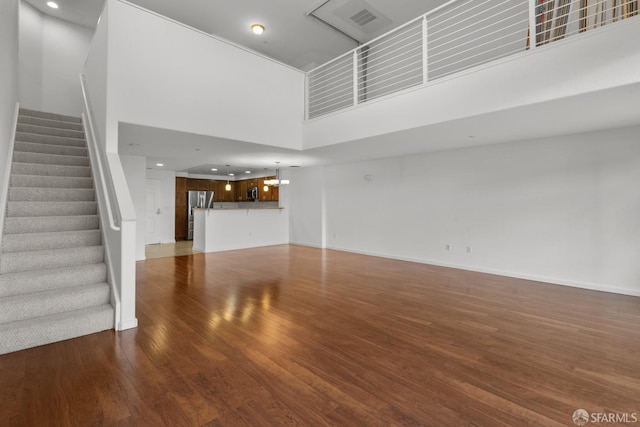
{"x":228,"y":186}
{"x":277,"y":182}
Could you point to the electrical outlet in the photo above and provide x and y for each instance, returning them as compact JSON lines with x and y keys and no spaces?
{"x":469,"y":250}
{"x":447,"y":247}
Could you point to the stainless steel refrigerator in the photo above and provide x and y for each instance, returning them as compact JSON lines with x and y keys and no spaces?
{"x":196,"y":199}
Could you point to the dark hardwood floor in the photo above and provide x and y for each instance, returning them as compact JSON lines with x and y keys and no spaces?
{"x":288,"y":335}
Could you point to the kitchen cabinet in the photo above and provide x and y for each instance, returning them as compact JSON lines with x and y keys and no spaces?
{"x":180,"y":212}
{"x":241,"y":191}
{"x":202,"y":184}
{"x":223,"y":194}
{"x":272,"y":193}
{"x":192,"y":184}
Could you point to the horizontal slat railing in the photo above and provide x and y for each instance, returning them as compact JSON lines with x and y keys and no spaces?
{"x":456,"y":36}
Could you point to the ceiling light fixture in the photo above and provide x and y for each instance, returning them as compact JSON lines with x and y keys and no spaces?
{"x":214,"y":169}
{"x":247,"y":171}
{"x":52,"y":4}
{"x":277,"y":182}
{"x":257,"y":29}
{"x":228,"y":186}
{"x":160,"y":164}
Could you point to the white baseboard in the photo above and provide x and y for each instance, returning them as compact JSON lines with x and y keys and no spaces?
{"x":129,"y":324}
{"x":310,"y":245}
{"x":517,"y":275}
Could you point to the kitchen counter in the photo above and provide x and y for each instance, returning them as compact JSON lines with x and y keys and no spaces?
{"x":230,"y":228}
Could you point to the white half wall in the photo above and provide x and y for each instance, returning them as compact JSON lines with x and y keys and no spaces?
{"x":135,"y":171}
{"x":168,"y":183}
{"x":562,"y":210}
{"x":218,"y":230}
{"x":553,"y":90}
{"x":9,"y":40}
{"x":52,"y":55}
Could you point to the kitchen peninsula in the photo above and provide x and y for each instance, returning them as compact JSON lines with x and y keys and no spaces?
{"x":223,"y":229}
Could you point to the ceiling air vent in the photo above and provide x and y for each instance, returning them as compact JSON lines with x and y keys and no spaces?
{"x":355,"y":18}
{"x":363,"y":17}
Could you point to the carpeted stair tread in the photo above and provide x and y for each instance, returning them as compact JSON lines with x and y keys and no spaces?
{"x":43,"y":148}
{"x":50,"y":139}
{"x":47,"y":224}
{"x":25,"y":282}
{"x":53,"y":276}
{"x":51,"y":240}
{"x":50,"y":170}
{"x":31,"y":209}
{"x":47,"y":122}
{"x":22,"y":307}
{"x":15,"y":262}
{"x":51,"y":116}
{"x":49,"y":159}
{"x":21,"y":127}
{"x":41,"y":169}
{"x":56,"y":327}
{"x":36,"y":181}
{"x":36,"y":194}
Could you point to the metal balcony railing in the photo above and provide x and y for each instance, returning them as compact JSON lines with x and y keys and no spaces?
{"x":453,"y":37}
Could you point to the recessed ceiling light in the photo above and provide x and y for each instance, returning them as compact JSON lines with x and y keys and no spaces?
{"x":231,"y":174}
{"x":257,"y":29}
{"x":52,"y":4}
{"x":247,"y":171}
{"x":214,"y":169}
{"x":160,"y":164}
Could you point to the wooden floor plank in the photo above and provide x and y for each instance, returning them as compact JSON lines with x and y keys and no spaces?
{"x":289,"y":335}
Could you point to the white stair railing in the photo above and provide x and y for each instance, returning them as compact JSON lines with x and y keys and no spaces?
{"x":456,"y":36}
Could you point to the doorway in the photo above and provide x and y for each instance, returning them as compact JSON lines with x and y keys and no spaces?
{"x":153,"y":234}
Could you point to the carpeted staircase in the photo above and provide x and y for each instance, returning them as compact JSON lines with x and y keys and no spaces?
{"x":52,"y":271}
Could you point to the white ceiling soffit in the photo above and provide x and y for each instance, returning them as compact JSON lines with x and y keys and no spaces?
{"x":356,"y":18}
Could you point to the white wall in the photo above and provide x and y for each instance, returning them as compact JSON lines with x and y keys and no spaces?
{"x":52,"y":55}
{"x":306,"y":214}
{"x":8,"y":76}
{"x":168,"y":209}
{"x":96,"y":71}
{"x":30,"y":57}
{"x":135,"y":171}
{"x":166,"y":75}
{"x":562,"y":210}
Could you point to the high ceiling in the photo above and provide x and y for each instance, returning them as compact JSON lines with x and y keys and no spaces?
{"x":303,"y":42}
{"x":292,"y":35}
{"x":300,"y":33}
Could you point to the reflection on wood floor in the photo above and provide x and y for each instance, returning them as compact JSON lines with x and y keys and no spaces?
{"x":289,"y":335}
{"x":180,"y":248}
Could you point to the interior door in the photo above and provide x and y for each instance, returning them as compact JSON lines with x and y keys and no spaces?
{"x":154,"y":212}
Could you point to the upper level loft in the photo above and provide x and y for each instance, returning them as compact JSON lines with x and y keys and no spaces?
{"x":457,"y":36}
{"x":467,"y":73}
